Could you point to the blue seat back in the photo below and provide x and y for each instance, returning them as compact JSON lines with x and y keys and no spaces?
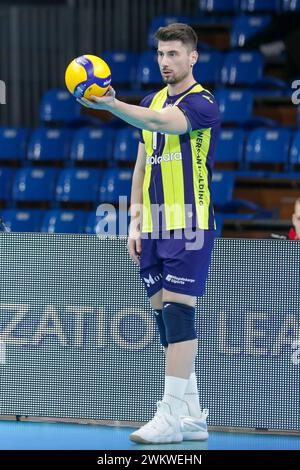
{"x":242,"y":68}
{"x":34,"y":184}
{"x":6,"y":180}
{"x":126,"y":145}
{"x":148,"y":70}
{"x":92,"y":144}
{"x":115,"y":183}
{"x":268,"y":146}
{"x":64,"y":221}
{"x":23,"y":220}
{"x":208,"y":67}
{"x":260,"y":5}
{"x":246,"y":26}
{"x":12,"y":143}
{"x":122,"y":65}
{"x":230,"y":145}
{"x":291,"y":5}
{"x":59,"y":106}
{"x":222,"y":187}
{"x":110,"y":222}
{"x":49,"y":144}
{"x":235,"y":105}
{"x":78,"y":185}
{"x":218,"y":5}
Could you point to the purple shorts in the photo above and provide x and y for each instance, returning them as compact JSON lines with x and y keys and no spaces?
{"x":177,"y":264}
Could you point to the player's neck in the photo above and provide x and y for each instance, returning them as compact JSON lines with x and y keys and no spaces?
{"x":178,"y":88}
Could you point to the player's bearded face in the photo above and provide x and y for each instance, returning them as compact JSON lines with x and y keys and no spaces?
{"x":174,"y":61}
{"x":175,"y":76}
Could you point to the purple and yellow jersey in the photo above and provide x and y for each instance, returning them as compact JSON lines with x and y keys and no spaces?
{"x":179,"y":167}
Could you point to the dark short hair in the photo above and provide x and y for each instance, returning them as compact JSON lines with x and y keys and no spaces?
{"x":178,"y":32}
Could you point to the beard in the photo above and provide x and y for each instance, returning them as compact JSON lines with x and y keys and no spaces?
{"x":173,"y":79}
{"x":170,"y":80}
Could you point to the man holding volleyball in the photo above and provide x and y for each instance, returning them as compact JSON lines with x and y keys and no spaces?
{"x":172,"y":183}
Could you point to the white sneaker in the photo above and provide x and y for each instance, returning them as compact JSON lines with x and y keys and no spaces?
{"x":163,"y":428}
{"x":194,"y":429}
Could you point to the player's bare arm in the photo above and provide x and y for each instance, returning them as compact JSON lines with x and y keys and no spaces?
{"x":134,"y":239}
{"x":170,"y":120}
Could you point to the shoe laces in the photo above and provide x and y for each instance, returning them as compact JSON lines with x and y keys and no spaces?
{"x":159,"y":416}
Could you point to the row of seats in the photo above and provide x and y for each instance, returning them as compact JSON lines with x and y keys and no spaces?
{"x":265,"y":145}
{"x":85,"y":185}
{"x":66,"y":221}
{"x":80,"y":185}
{"x":242,"y":27}
{"x":231,"y":68}
{"x":236,"y":105}
{"x":108,"y":220}
{"x":70,"y":221}
{"x":84,"y":144}
{"x":232,"y":6}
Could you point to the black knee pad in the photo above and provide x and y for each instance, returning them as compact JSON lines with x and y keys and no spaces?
{"x":179,"y":321}
{"x":161,"y":327}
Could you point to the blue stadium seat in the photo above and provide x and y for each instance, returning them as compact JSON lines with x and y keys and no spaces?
{"x":295,"y":150}
{"x":218,"y":5}
{"x":242,"y":68}
{"x":6,"y":179}
{"x":126,"y":145}
{"x":92,"y":144}
{"x":230,"y":146}
{"x":260,"y":5}
{"x":23,"y":220}
{"x":59,"y":106}
{"x":64,"y":221}
{"x":116,"y":182}
{"x":235,"y":105}
{"x":34,"y":184}
{"x":208,"y":67}
{"x":148,"y":70}
{"x":222,"y":187}
{"x":49,"y":144}
{"x":270,"y":146}
{"x":110,"y":222}
{"x":246,"y":26}
{"x":12,"y":143}
{"x":122,"y":65}
{"x":78,"y":185}
{"x":291,"y":5}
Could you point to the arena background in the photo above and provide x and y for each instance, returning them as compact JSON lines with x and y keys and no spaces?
{"x":77,"y":338}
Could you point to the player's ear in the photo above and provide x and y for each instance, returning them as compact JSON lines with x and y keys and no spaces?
{"x":194,"y":57}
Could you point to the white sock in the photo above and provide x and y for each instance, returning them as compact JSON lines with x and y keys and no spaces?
{"x":191,"y":397}
{"x":174,"y":392}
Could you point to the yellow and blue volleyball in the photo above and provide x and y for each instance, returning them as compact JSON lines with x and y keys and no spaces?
{"x":88,"y":75}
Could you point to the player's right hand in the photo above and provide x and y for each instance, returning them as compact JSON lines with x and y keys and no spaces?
{"x":134,"y":246}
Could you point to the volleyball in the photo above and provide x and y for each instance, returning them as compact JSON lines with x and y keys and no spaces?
{"x":88,"y":75}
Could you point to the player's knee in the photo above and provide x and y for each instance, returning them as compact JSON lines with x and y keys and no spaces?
{"x":179,"y":321}
{"x":161,"y":327}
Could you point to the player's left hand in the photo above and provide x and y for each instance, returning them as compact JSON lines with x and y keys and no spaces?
{"x":104,"y":102}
